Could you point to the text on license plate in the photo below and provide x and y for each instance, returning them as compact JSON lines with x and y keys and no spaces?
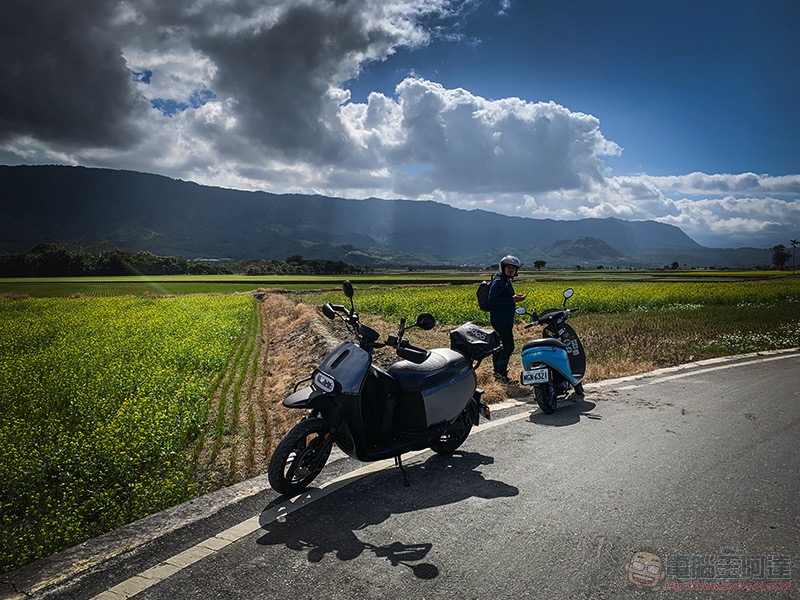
{"x":534,"y":376}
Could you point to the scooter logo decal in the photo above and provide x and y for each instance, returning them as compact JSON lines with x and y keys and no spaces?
{"x":478,"y":333}
{"x":323,"y":382}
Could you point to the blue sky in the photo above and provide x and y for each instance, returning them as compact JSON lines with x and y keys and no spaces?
{"x":679,"y":112}
{"x":682,"y":86}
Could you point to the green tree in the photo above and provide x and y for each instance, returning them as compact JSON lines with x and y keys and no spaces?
{"x":114,"y":262}
{"x":539,"y":264}
{"x":50,"y":260}
{"x":780,"y":256}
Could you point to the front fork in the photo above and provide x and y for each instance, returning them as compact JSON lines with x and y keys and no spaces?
{"x":330,"y":436}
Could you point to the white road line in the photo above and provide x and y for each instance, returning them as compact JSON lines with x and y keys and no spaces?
{"x":688,"y":369}
{"x":689,"y":373}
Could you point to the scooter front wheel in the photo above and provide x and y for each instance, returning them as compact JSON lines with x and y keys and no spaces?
{"x":545,"y":394}
{"x":300,"y":456}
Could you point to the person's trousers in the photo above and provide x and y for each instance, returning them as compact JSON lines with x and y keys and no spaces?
{"x":500,"y":359}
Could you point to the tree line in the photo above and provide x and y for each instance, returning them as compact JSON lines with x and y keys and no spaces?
{"x":54,"y":260}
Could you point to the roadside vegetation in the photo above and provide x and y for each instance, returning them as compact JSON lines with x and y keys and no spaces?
{"x":117,"y":406}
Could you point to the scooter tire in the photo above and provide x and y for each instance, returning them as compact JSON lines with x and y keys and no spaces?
{"x":297,"y":461}
{"x":454,"y":436}
{"x":449,"y":442}
{"x":545,"y":395}
{"x":579,"y":389}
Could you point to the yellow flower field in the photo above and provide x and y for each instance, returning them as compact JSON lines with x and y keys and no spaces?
{"x":101,"y":399}
{"x":457,"y":304}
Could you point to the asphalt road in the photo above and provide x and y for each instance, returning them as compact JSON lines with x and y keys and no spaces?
{"x":691,"y":471}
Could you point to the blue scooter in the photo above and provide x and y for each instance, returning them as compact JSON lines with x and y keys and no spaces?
{"x":556,"y":362}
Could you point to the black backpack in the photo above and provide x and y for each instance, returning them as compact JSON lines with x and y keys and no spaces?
{"x":483,"y":295}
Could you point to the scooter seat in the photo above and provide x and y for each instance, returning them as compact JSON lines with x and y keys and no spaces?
{"x":544,"y":342}
{"x":442,"y":365}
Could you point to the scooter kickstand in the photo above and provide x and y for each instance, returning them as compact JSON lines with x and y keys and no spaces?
{"x":406,"y":479}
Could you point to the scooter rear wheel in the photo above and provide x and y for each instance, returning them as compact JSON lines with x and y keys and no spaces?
{"x":299,"y":457}
{"x":545,"y":394}
{"x":456,"y":435}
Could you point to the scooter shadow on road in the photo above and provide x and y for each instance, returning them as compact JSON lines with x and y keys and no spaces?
{"x":568,"y":412}
{"x":330,"y":525}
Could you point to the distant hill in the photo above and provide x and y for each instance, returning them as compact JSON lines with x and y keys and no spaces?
{"x":138,"y":211}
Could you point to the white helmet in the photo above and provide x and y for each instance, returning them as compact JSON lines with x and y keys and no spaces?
{"x":510,"y":260}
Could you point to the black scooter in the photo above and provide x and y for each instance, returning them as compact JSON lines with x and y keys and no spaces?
{"x":429,"y":399}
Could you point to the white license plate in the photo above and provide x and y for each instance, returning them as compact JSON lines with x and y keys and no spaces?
{"x":534,"y":376}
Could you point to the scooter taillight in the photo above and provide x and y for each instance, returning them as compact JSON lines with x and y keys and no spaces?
{"x":534,"y":365}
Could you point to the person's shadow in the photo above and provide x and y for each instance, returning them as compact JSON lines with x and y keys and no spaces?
{"x":330,"y":525}
{"x":568,"y":412}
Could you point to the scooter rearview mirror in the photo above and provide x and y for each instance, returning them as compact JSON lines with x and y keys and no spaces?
{"x":328,"y":311}
{"x":425,"y":321}
{"x":567,"y":295}
{"x":348,"y":289}
{"x":520,"y":310}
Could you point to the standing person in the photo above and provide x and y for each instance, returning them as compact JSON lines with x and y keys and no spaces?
{"x":502,"y":301}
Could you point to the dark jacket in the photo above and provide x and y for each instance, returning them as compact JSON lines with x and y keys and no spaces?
{"x":501,"y":300}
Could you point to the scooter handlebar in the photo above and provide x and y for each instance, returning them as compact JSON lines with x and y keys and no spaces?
{"x":412,"y":353}
{"x":548,"y":317}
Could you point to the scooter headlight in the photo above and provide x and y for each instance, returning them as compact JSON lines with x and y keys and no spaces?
{"x":323,"y":382}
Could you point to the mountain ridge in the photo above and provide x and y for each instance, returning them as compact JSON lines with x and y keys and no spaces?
{"x":147,"y":212}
